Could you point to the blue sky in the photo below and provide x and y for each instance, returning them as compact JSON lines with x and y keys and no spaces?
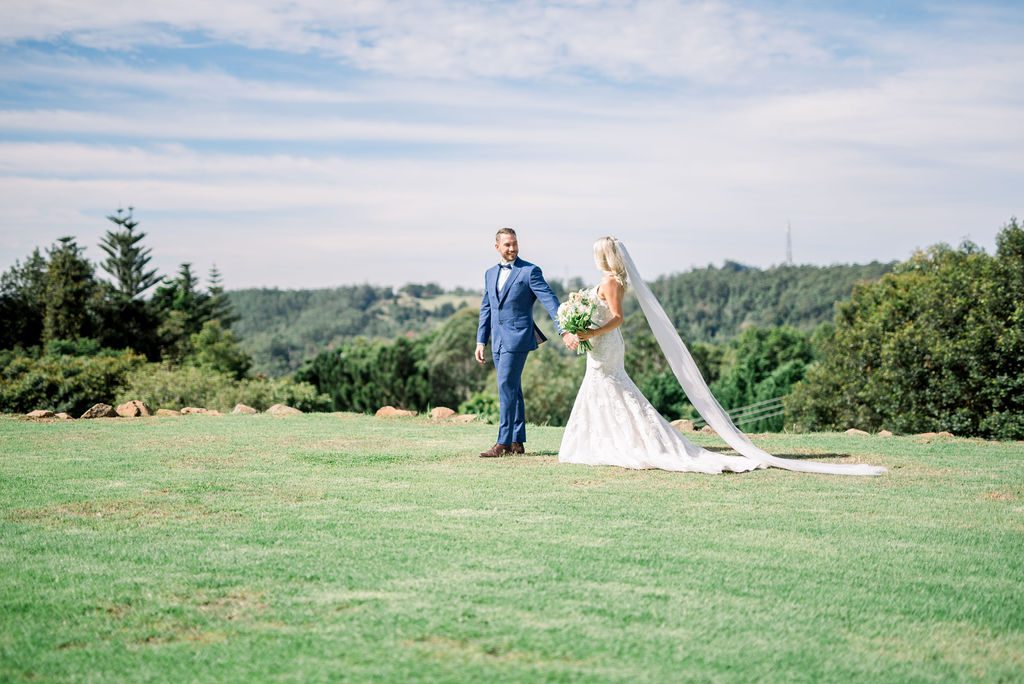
{"x":312,"y":143}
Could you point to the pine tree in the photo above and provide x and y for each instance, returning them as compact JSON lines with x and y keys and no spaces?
{"x":220,"y":308}
{"x":184,"y":308}
{"x":70,"y":287}
{"x":126,"y":260}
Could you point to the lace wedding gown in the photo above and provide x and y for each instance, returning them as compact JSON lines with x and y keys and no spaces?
{"x":612,"y":423}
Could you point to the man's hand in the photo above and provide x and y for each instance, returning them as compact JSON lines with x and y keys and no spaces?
{"x":571,"y":341}
{"x":480,"y":353}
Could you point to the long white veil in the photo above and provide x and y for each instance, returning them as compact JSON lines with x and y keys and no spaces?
{"x":697,"y":391}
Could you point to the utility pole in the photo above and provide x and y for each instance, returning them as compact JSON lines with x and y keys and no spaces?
{"x":789,"y":244}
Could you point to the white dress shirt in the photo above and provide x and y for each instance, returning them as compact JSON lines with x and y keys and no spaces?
{"x":503,"y":274}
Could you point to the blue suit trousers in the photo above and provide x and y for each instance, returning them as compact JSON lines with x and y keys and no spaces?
{"x":511,"y":407}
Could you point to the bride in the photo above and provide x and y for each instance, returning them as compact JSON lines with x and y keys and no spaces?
{"x":612,"y":423}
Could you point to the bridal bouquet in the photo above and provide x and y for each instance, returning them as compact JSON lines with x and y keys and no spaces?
{"x":576,"y":315}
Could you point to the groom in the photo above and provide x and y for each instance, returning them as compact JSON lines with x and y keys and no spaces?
{"x":506,"y":319}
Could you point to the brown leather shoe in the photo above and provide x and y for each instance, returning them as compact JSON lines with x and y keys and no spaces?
{"x":518,"y":448}
{"x":496,"y":451}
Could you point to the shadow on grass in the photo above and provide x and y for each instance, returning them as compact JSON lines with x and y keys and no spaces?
{"x":727,"y":450}
{"x":798,"y":457}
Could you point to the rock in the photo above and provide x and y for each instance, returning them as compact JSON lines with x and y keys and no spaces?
{"x":62,"y":416}
{"x":464,"y":418}
{"x":282,"y":410}
{"x":41,"y":413}
{"x":884,"y":433}
{"x":683,"y":425}
{"x":708,"y":430}
{"x":133,"y":409}
{"x":855,"y":431}
{"x":943,"y":434}
{"x":243,"y":409}
{"x":392,"y":412}
{"x":191,"y":410}
{"x":441,"y":413}
{"x":930,"y":435}
{"x":167,"y":412}
{"x":100,"y":411}
{"x":213,"y":412}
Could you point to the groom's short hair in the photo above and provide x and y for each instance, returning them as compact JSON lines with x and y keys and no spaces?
{"x":505,"y":231}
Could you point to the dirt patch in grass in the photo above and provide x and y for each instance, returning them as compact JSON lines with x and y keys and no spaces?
{"x":447,"y":648}
{"x":1000,"y":496}
{"x":140,"y":511}
{"x":179,"y":634}
{"x":240,"y":603}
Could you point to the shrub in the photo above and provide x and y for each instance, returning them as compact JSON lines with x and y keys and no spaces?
{"x":171,"y":387}
{"x":937,"y":345}
{"x":64,"y":383}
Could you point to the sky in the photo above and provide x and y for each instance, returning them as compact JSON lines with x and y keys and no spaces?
{"x":316,"y":143}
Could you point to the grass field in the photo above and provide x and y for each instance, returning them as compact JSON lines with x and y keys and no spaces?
{"x":347,"y":548}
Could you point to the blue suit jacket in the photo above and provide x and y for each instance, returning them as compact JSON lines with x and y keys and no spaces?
{"x":506,"y":317}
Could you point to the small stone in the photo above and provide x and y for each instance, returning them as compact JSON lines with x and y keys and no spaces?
{"x":213,"y":412}
{"x":441,"y":413}
{"x":100,"y":411}
{"x":40,"y":413}
{"x":167,"y":412}
{"x":133,"y":409}
{"x":243,"y":409}
{"x":392,"y":412}
{"x":855,"y":431}
{"x":192,"y":410}
{"x":282,"y":410}
{"x":708,"y":430}
{"x":884,"y":433}
{"x":62,"y":416}
{"x":464,"y":418}
{"x":943,"y":434}
{"x":683,"y":425}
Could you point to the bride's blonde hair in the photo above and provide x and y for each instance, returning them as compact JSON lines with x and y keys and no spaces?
{"x":608,"y":259}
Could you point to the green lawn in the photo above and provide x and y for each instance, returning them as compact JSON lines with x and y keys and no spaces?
{"x":341,"y":547}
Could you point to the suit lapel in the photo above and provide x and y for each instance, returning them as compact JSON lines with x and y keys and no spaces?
{"x":517,"y":269}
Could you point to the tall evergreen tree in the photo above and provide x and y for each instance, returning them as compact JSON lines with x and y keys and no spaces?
{"x":23,"y":302}
{"x":220,"y":308}
{"x":70,"y":287}
{"x":127,"y":261}
{"x":127,"y":319}
{"x":184,"y":308}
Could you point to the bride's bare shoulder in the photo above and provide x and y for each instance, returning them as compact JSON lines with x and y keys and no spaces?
{"x":610,"y":282}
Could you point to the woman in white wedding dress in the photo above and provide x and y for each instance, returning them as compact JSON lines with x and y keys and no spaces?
{"x":613,"y":423}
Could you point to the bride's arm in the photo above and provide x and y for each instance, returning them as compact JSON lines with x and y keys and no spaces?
{"x":612,"y":291}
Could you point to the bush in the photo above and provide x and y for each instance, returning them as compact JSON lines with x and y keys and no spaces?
{"x":64,"y":383}
{"x":171,"y":387}
{"x":484,"y":405}
{"x":937,"y":345}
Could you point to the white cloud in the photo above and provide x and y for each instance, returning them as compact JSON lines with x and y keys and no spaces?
{"x":705,"y":41}
{"x":319,"y":181}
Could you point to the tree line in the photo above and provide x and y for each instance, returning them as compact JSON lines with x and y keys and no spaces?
{"x":933,"y":343}
{"x":72,"y":338}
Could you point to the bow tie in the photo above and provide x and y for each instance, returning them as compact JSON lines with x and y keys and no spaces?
{"x":505,"y":267}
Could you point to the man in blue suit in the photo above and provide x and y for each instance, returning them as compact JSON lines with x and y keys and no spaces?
{"x":506,"y":320}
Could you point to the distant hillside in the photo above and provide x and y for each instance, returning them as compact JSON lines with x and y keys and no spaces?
{"x":282,"y":328}
{"x":714,"y":304}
